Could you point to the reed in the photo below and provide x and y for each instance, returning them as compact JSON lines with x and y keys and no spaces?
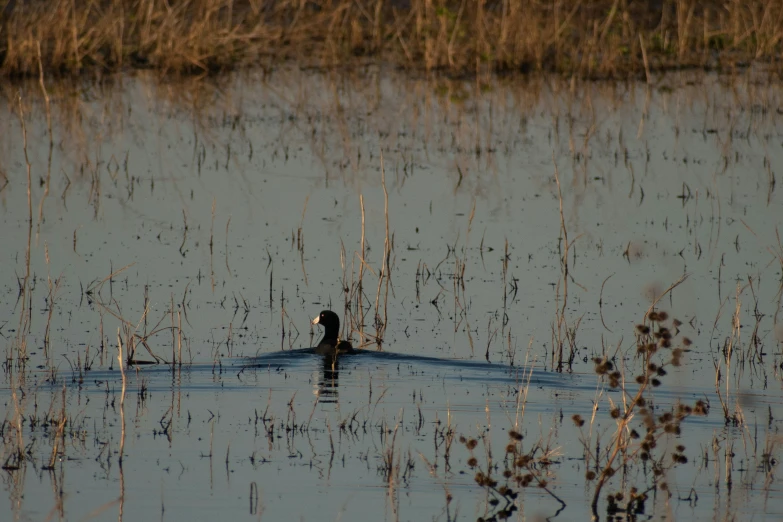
{"x":562,"y":332}
{"x":588,"y":39}
{"x":122,"y":394}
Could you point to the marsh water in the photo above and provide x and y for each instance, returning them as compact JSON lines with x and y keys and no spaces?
{"x":205,"y":222}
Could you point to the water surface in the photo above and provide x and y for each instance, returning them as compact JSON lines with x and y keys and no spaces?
{"x":214,"y":218}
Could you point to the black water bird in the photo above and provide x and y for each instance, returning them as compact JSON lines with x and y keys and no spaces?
{"x":330,"y":344}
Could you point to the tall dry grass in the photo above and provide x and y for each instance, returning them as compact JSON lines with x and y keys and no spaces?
{"x":586,"y":38}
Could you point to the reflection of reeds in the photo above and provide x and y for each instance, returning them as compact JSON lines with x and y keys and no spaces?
{"x":48,"y":181}
{"x":25,"y":297}
{"x":54,"y":288}
{"x":602,"y":37}
{"x":58,"y":436}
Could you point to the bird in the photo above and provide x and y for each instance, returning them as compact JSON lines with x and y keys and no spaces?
{"x":330,"y":344}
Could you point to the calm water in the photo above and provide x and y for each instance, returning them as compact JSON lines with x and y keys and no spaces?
{"x":238,"y":206}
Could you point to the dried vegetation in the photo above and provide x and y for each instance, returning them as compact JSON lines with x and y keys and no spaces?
{"x":603,"y":38}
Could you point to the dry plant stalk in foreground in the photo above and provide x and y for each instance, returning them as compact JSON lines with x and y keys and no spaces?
{"x":591,"y":39}
{"x":640,"y":453}
{"x":647,"y":433}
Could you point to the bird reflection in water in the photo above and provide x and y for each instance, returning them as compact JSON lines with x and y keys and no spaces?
{"x":328,"y":382}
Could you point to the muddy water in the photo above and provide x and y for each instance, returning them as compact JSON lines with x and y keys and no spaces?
{"x":214,"y":218}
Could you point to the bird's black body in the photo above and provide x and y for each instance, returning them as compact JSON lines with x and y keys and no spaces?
{"x":330,"y":343}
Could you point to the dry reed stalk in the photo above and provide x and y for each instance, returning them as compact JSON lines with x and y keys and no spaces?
{"x":122,"y":395}
{"x":359,"y":284}
{"x":562,"y":327}
{"x":380,"y":324}
{"x":16,"y":456}
{"x":646,"y":62}
{"x":211,"y":247}
{"x":663,"y":294}
{"x":229,"y":339}
{"x":300,"y":239}
{"x":254,"y":499}
{"x":344,"y":282}
{"x":521,"y":401}
{"x":179,"y":338}
{"x":728,"y":352}
{"x":173,"y":333}
{"x":95,"y":288}
{"x":132,"y":337}
{"x":228,"y":268}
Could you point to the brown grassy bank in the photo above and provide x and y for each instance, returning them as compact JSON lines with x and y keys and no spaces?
{"x":591,"y":38}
